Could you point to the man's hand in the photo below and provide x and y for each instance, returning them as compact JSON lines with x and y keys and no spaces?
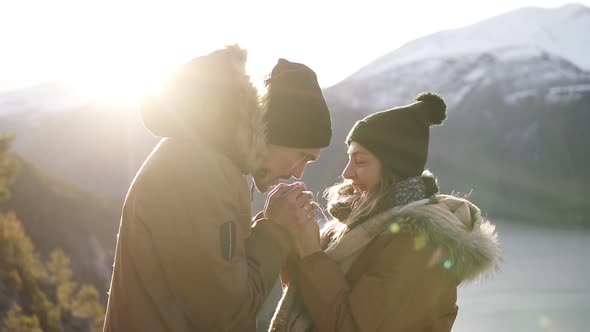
{"x":289,"y":204}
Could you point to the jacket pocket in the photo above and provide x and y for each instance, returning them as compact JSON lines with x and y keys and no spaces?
{"x":228,"y":240}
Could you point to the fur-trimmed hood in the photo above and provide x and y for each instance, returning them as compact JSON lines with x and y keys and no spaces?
{"x":466,"y":242}
{"x":212,"y":99}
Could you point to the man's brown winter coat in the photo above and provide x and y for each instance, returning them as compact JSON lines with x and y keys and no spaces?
{"x":188,"y":257}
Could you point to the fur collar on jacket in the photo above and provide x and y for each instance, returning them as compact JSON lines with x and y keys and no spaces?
{"x":467,"y":243}
{"x":212,"y":99}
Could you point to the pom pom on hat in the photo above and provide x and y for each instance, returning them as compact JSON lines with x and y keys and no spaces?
{"x":434,"y":106}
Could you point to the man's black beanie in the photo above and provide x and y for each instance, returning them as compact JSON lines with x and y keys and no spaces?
{"x":296,"y":113}
{"x":399,"y":137}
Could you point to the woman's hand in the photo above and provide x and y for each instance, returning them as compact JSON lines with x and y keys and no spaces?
{"x":306,"y":237}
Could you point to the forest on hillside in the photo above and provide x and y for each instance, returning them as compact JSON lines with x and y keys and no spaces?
{"x":38,"y":295}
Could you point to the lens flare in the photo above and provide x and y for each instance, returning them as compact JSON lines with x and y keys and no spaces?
{"x":436,"y":258}
{"x":545,"y":321}
{"x":448,"y":264}
{"x":420,"y":242}
{"x":394,"y":228}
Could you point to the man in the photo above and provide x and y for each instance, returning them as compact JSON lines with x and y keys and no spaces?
{"x":188,"y":257}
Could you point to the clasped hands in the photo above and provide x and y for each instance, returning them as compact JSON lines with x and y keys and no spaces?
{"x":294,"y":208}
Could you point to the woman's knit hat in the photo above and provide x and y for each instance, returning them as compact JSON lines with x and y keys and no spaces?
{"x":399,"y":136}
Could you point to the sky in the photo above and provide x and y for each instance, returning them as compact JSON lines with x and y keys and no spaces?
{"x":119,"y":48}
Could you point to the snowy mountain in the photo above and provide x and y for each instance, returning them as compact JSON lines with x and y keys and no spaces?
{"x":519,"y":73}
{"x":517,"y":87}
{"x":559,"y":31}
{"x":516,"y":131}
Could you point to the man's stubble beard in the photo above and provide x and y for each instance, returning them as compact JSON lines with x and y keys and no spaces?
{"x":259,"y":180}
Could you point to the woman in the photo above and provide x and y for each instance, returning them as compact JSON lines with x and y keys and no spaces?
{"x":396,"y":252}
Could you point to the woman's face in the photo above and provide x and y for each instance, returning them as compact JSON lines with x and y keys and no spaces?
{"x":363,"y":168}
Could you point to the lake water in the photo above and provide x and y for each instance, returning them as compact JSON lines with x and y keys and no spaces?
{"x":543,"y":285}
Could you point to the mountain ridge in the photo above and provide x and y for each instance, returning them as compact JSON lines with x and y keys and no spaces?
{"x":555,"y":30}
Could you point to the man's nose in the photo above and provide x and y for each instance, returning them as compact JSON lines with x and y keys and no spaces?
{"x":297,"y":172}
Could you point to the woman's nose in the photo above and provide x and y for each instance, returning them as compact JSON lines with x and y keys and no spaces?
{"x":348,"y":172}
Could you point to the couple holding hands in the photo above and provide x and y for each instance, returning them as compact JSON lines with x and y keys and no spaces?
{"x":190,"y":257}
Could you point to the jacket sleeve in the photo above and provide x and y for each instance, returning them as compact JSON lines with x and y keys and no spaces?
{"x":395,"y":287}
{"x":213,"y":290}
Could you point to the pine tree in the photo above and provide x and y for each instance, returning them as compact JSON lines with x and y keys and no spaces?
{"x":8,"y":165}
{"x":60,"y":275}
{"x":20,"y":266}
{"x":46,"y":295}
{"x":87,"y":304}
{"x":17,"y":321}
{"x":16,"y":252}
{"x":24,"y":270}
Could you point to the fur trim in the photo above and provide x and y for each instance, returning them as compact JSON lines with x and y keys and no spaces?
{"x":211,"y":98}
{"x":251,"y":137}
{"x":469,"y":242}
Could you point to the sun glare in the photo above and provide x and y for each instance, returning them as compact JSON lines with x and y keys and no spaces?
{"x":114,"y":52}
{"x":124,"y":81}
{"x":118,"y":83}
